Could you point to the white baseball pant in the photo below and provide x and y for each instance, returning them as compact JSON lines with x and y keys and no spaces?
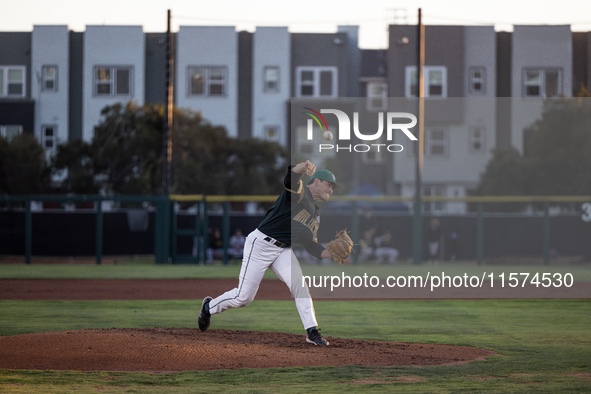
{"x":258,"y":256}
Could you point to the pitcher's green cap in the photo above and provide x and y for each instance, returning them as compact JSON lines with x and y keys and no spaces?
{"x":326,"y":175}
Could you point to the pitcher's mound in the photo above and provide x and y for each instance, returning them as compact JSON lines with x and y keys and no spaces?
{"x":185,"y":349}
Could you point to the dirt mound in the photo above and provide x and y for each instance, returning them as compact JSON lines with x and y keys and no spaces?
{"x":184,"y":349}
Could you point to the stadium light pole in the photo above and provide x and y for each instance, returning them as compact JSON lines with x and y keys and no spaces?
{"x":420,"y":147}
{"x":167,"y":126}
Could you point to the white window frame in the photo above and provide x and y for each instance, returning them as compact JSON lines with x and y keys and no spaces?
{"x":208,"y":81}
{"x":374,"y":156}
{"x":268,"y":129}
{"x":4,"y":131}
{"x":377,"y":95}
{"x":410,"y":75}
{"x":542,"y":82}
{"x":430,"y":143}
{"x":473,"y":139}
{"x":4,"y":82}
{"x":112,"y":82}
{"x":45,"y":138}
{"x":434,"y":191}
{"x":266,"y":87}
{"x":312,"y":145}
{"x":45,"y":78}
{"x":315,"y":83}
{"x":473,"y":80}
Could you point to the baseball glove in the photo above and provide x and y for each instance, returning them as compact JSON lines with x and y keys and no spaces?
{"x":341,"y":247}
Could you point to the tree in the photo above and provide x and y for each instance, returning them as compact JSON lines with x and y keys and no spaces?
{"x":557,"y":149}
{"x":206,"y":160}
{"x":125,"y":156}
{"x":556,"y":159}
{"x":505,"y":175}
{"x":126,"y":149}
{"x":73,"y":163}
{"x":23,"y":169}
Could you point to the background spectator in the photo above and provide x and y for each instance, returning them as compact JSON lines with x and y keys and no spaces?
{"x":385,"y":250}
{"x":236,"y":244}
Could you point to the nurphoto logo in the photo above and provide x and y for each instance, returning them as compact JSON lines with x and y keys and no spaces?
{"x":392,"y":120}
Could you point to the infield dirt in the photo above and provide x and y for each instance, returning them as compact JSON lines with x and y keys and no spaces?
{"x":184,"y":349}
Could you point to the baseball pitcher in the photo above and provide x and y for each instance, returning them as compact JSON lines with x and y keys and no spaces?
{"x":293,"y":218}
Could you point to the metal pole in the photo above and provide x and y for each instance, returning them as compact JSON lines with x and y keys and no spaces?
{"x":28,"y":231}
{"x":99,"y":231}
{"x":167,"y":137}
{"x":355,"y":229}
{"x":161,"y":231}
{"x":205,"y":230}
{"x":417,"y":218}
{"x":479,"y":235}
{"x":226,"y":229}
{"x":546,"y":233}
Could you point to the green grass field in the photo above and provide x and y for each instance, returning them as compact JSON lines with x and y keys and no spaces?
{"x":543,"y":345}
{"x":146,"y":270}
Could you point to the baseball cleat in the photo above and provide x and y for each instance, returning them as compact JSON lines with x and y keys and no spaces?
{"x":204,"y":317}
{"x":315,"y":338}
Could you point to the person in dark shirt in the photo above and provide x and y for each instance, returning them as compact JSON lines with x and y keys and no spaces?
{"x":293,"y":218}
{"x":215,"y":249}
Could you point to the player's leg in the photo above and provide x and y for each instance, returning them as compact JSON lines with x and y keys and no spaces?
{"x":287,"y":268}
{"x":258,"y":256}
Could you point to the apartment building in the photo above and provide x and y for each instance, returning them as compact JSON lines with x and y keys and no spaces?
{"x":483,"y":87}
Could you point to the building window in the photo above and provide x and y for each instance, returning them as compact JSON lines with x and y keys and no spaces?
{"x":49,"y":78}
{"x":207,"y":81}
{"x":309,"y":147}
{"x":316,"y":82}
{"x":435,"y":81}
{"x":477,"y":139}
{"x":271,"y":79}
{"x":374,"y":156}
{"x":8,"y":132}
{"x":377,"y":93}
{"x":272,"y":133}
{"x":542,"y":82}
{"x":306,"y":146}
{"x":12,"y":81}
{"x":49,"y":135}
{"x":113,"y":81}
{"x":434,"y":206}
{"x":436,"y":143}
{"x":477,"y":80}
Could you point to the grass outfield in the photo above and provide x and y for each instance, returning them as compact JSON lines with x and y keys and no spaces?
{"x":148,"y":270}
{"x":544,"y":345}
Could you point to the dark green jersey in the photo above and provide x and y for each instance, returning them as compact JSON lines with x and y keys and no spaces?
{"x":294,"y":218}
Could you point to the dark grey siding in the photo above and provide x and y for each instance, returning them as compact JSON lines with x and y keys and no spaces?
{"x":588,"y":61}
{"x":504,"y":64}
{"x":503,"y":90}
{"x":21,"y":112}
{"x":373,"y":65}
{"x":444,"y":46}
{"x":15,"y":49}
{"x":314,"y":49}
{"x":155,"y":85}
{"x":76,"y":82}
{"x":244,"y":84}
{"x":400,"y":55}
{"x":579,"y":61}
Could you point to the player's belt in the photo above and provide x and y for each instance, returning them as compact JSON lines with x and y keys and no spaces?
{"x":276,"y":243}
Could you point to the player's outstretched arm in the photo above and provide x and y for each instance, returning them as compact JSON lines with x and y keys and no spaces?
{"x":304,"y":168}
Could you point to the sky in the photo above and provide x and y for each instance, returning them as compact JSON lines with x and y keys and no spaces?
{"x":321,"y":16}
